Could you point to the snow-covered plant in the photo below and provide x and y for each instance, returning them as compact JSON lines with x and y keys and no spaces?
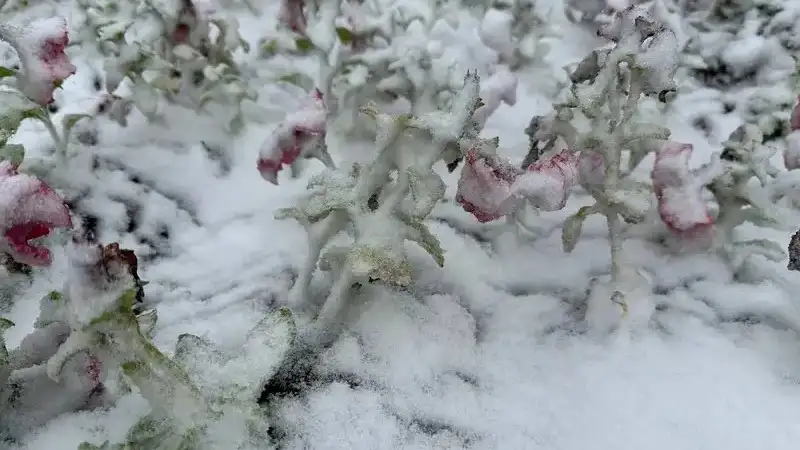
{"x":606,"y":89}
{"x":734,"y":47}
{"x":407,"y":54}
{"x":301,"y":134}
{"x":190,"y":401}
{"x":516,"y":32}
{"x":739,"y":199}
{"x":32,"y":396}
{"x":383,"y":203}
{"x":44,"y":65}
{"x":177,"y":51}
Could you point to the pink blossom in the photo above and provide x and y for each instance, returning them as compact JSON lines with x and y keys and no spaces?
{"x":293,"y":16}
{"x":29,"y":209}
{"x":484,"y":189}
{"x":680,"y":202}
{"x":794,"y":121}
{"x":299,"y":133}
{"x":591,"y":169}
{"x":549,"y":181}
{"x":41,"y":49}
{"x":791,"y":154}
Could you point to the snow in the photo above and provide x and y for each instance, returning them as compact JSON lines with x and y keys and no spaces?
{"x":484,"y":353}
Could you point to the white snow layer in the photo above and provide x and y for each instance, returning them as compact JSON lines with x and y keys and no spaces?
{"x":479,"y":354}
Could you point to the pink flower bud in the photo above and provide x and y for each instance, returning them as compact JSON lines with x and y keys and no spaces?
{"x":484,"y":189}
{"x":293,"y":16}
{"x":41,"y":50}
{"x":29,"y":209}
{"x":299,"y":133}
{"x":794,"y":120}
{"x":549,"y":181}
{"x":680,"y":202}
{"x":791,"y":154}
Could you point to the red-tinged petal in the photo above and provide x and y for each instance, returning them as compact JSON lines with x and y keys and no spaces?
{"x":548,"y":182}
{"x":791,"y":154}
{"x":484,"y":189}
{"x":41,"y":47}
{"x":794,"y":121}
{"x":29,"y":209}
{"x":680,"y":201}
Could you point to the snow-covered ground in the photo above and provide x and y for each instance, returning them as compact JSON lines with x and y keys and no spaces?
{"x":482,"y":354}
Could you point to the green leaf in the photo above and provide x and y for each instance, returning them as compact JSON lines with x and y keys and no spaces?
{"x":298,"y":79}
{"x":304,"y":44}
{"x":345,"y":36}
{"x":69,"y":122}
{"x":573,"y":227}
{"x":369,"y":262}
{"x":54,"y":296}
{"x":6,"y":72}
{"x":420,"y":234}
{"x":14,"y":108}
{"x":5,"y":324}
{"x":269,"y":48}
{"x":13,"y":153}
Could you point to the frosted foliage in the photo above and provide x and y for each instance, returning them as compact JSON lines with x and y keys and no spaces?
{"x":480,"y":253}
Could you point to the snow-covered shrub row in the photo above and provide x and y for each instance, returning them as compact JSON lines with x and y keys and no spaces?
{"x":393,"y":66}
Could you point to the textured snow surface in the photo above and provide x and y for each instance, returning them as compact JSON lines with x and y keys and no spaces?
{"x":482,"y":354}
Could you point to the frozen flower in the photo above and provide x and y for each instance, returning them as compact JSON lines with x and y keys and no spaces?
{"x":192,"y":24}
{"x":293,"y":16}
{"x":548,"y":182}
{"x":299,"y":133}
{"x":485,"y":187}
{"x":41,"y":49}
{"x":29,"y":209}
{"x":791,"y":154}
{"x":591,"y":170}
{"x":794,"y":121}
{"x":680,"y":202}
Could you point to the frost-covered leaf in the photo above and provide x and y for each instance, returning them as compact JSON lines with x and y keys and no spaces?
{"x":13,"y":153}
{"x":292,"y":213}
{"x":381,"y":263}
{"x":304,"y":44}
{"x":633,"y":201}
{"x":147,"y":321}
{"x":425,"y":190}
{"x":764,"y":247}
{"x":345,"y":36}
{"x":264,"y":350}
{"x":6,"y":72}
{"x":14,"y":108}
{"x":418,"y":232}
{"x":69,"y":121}
{"x":5,"y":324}
{"x":573,"y":226}
{"x":298,"y":79}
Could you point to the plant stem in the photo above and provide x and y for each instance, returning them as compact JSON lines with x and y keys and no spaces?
{"x":61,"y":145}
{"x":318,"y":237}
